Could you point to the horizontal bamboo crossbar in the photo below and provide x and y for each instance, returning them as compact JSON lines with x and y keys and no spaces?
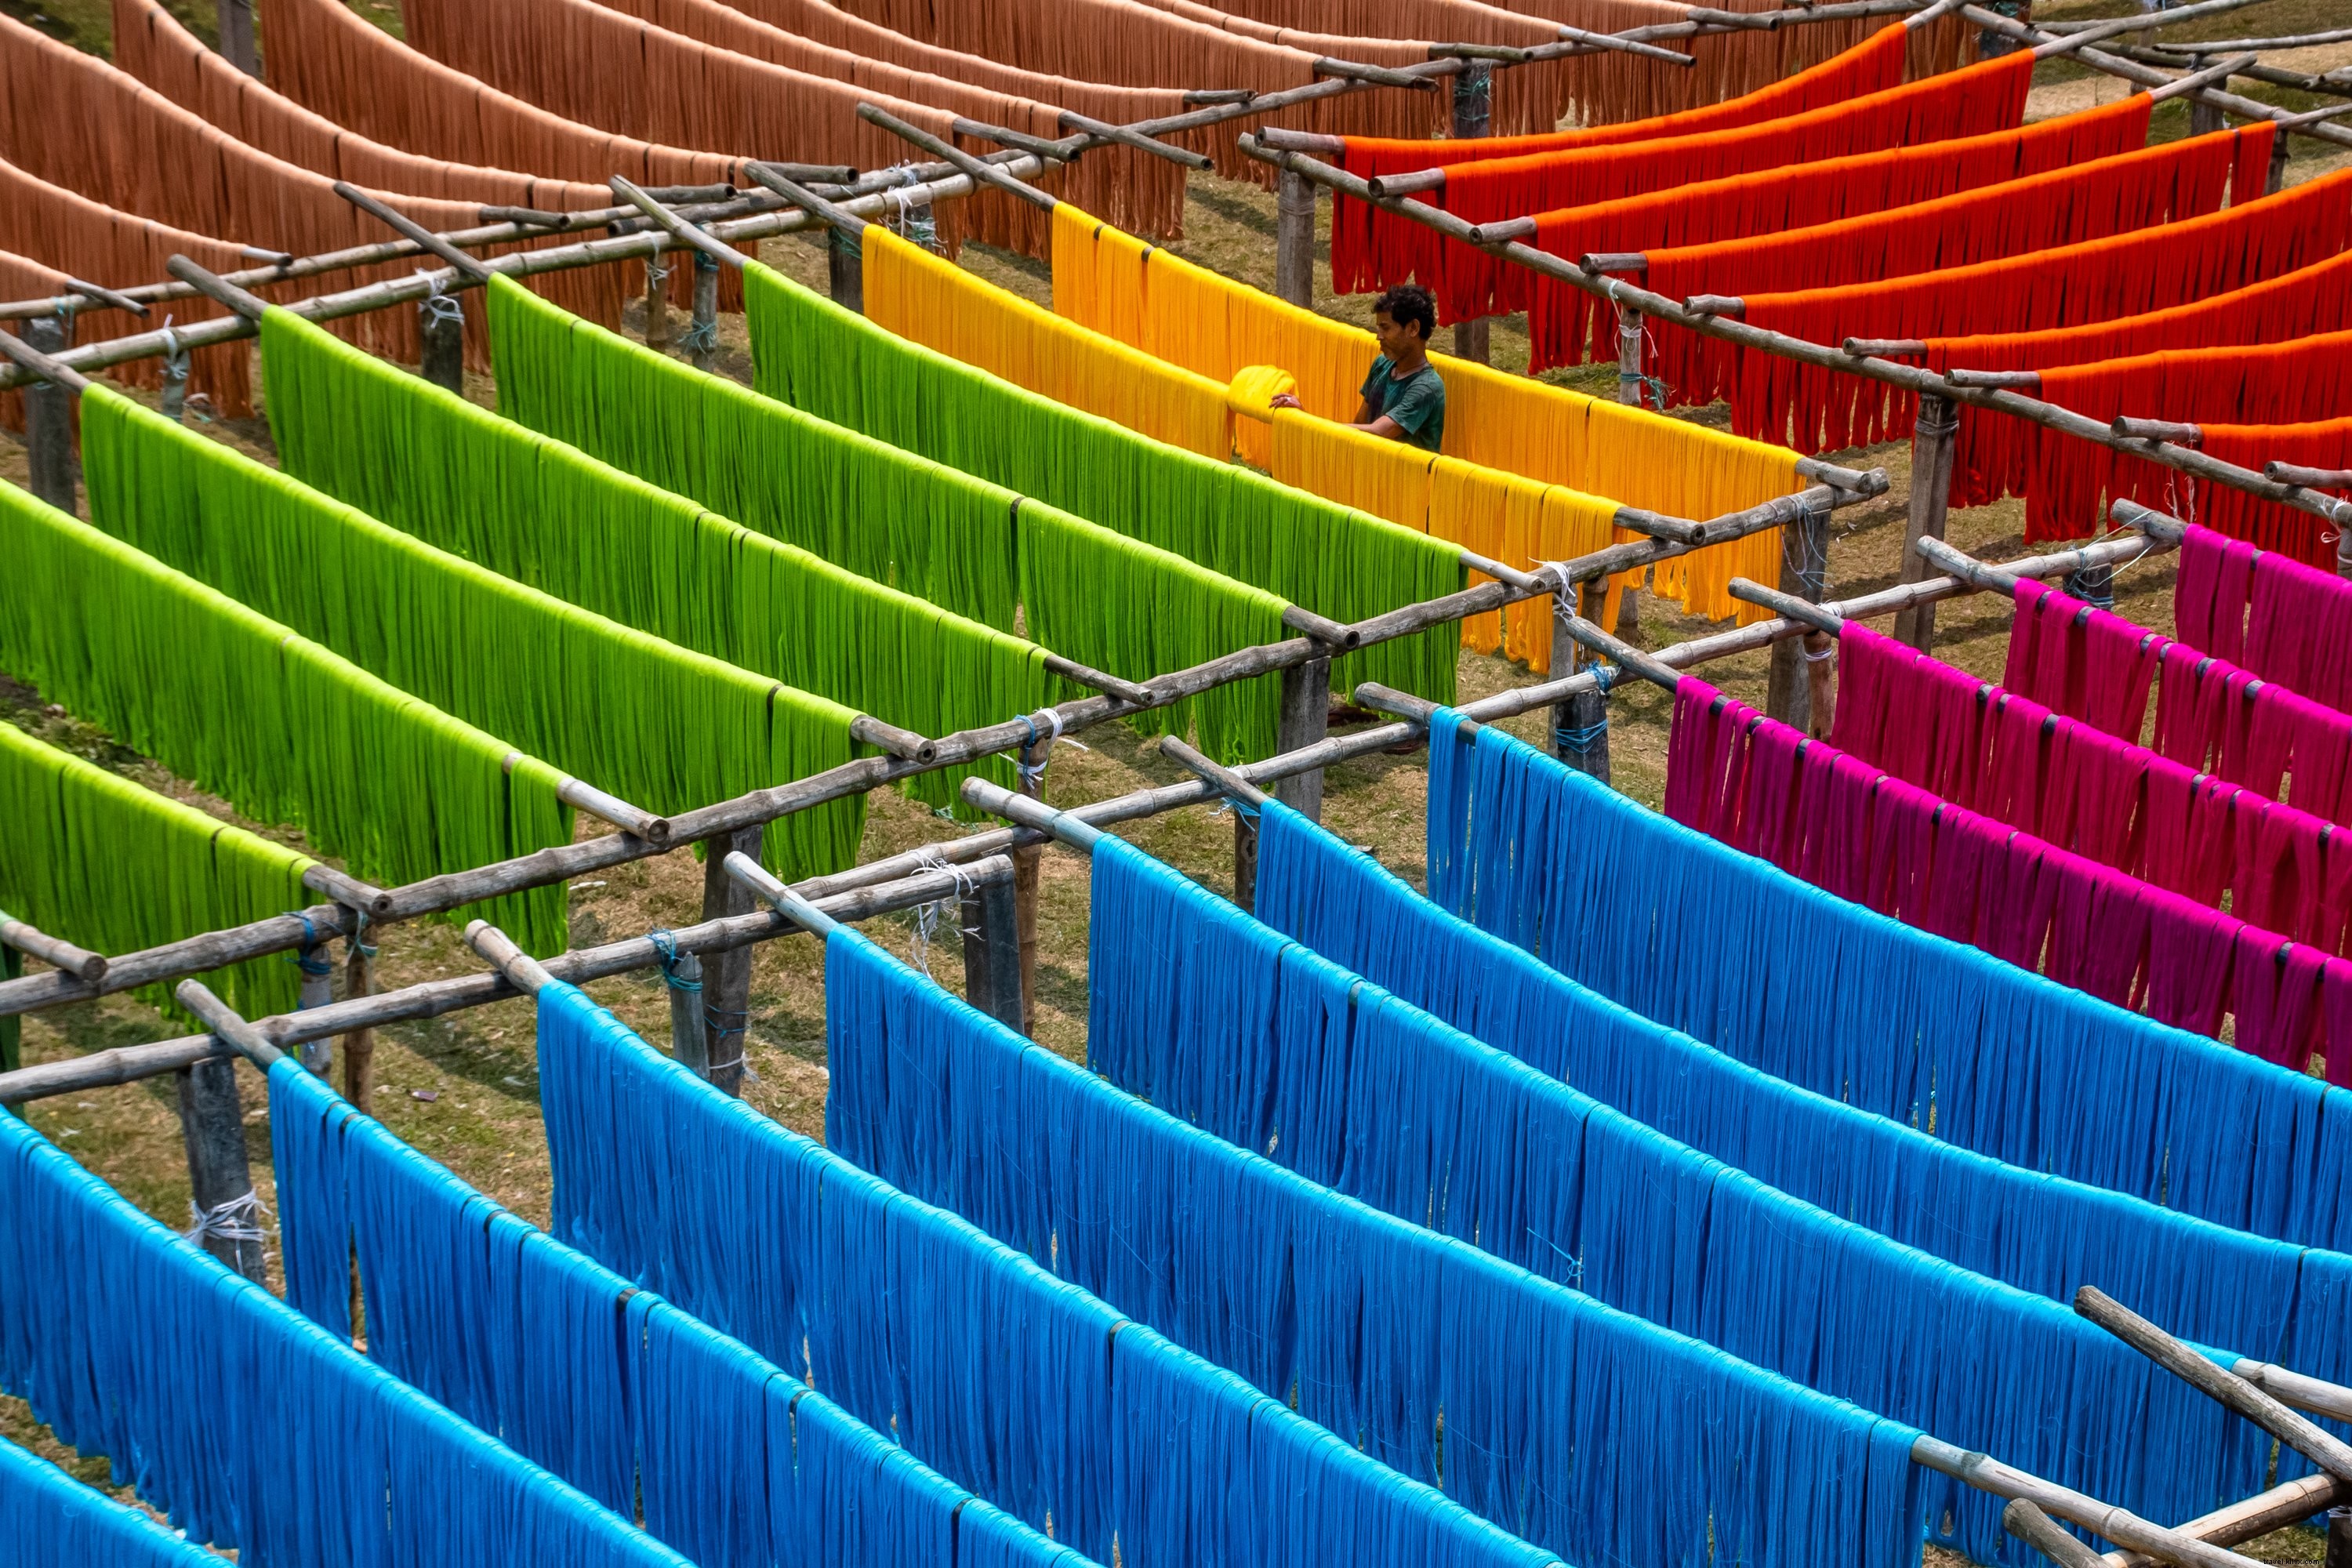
{"x":433,"y":999}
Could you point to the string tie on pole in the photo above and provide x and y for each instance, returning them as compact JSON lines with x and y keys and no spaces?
{"x":915,"y":223}
{"x":714,"y":1020}
{"x":237,"y":1221}
{"x":656,"y":271}
{"x":927,"y":916}
{"x":365,"y":949}
{"x":1033,"y":774}
{"x":305,"y":958}
{"x":440,"y":311}
{"x":1829,"y":652}
{"x":665,"y":945}
{"x":701,"y":338}
{"x":175,"y":356}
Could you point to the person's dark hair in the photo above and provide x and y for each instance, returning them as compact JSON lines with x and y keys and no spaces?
{"x":1407,"y":304}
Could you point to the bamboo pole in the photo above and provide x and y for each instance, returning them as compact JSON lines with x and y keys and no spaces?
{"x":1059,"y":825}
{"x":48,"y":416}
{"x":1804,"y":574}
{"x":1473,"y":114}
{"x":318,"y":990}
{"x":2322,"y":1448}
{"x":220,"y":1172}
{"x":1934,"y":439}
{"x":1229,"y":784}
{"x":985,"y":173}
{"x":612,"y":810}
{"x":519,"y":970}
{"x":235,"y":20}
{"x":2290,"y":1502}
{"x":2039,"y":1531}
{"x":1293,"y":239}
{"x":1579,"y":721}
{"x":2118,"y":1525}
{"x":726,"y":976}
{"x":702,"y":332}
{"x":682,"y":977}
{"x":59,"y":953}
{"x":802,"y":914}
{"x":359,"y":1044}
{"x":991,"y":951}
{"x":1306,"y":714}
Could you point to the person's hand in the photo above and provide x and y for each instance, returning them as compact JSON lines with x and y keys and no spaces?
{"x":1285,"y":400}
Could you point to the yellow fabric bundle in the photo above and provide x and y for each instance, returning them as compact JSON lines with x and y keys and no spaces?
{"x":1503,"y":516}
{"x":930,"y":300}
{"x":1119,"y":286}
{"x":1251,"y":398}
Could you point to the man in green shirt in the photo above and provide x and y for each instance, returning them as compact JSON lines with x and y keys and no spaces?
{"x":1404,"y":400}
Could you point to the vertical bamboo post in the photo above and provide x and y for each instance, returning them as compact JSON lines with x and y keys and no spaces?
{"x":1294,"y":238}
{"x":2339,"y":1539}
{"x":1306,"y":720}
{"x":318,"y":990}
{"x":657,"y":270}
{"x":48,"y":420}
{"x":684,"y":978}
{"x":359,"y":1046}
{"x":2093,"y":586}
{"x":2277,"y":180}
{"x":702,"y":337}
{"x":1473,"y":112}
{"x":726,"y":977}
{"x":174,"y":403}
{"x":1028,"y":866}
{"x":441,"y":324}
{"x":2204,"y":118}
{"x":1932,"y":440}
{"x":844,"y":262}
{"x":212,"y":1120}
{"x":236,"y":45}
{"x":1804,"y":573}
{"x":1820,"y":683}
{"x":992,"y":953}
{"x":1631,"y":331}
{"x":1245,"y":862}
{"x":1580,"y":723}
{"x":11,"y":1033}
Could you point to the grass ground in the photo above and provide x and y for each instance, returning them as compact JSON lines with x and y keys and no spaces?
{"x":464,"y":1088}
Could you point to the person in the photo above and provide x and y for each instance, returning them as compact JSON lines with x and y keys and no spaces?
{"x":1404,"y":400}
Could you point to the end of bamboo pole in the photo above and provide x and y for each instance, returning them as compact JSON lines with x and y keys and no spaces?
{"x":226,"y":1025}
{"x":779,"y":897}
{"x":904,"y":744}
{"x":218,"y":289}
{"x":1033,"y":815}
{"x":521,"y":970}
{"x":1228,"y":783}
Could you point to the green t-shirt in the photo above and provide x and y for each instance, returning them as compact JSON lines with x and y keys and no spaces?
{"x":1417,"y":403}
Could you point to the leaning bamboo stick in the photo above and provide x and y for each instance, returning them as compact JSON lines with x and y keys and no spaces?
{"x":226,"y":1025}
